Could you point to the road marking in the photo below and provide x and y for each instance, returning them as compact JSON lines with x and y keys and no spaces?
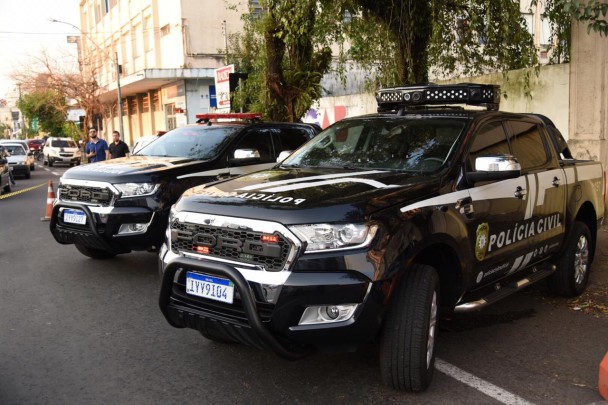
{"x":47,"y":169}
{"x":480,"y":385}
{"x":56,"y":174}
{"x":2,"y":197}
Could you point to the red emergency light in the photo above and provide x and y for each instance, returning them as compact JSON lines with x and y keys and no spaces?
{"x":232,"y":116}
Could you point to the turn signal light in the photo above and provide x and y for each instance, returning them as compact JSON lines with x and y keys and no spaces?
{"x":202,"y":249}
{"x":269,"y":238}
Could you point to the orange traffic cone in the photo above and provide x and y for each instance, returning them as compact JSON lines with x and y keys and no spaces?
{"x":603,"y":382}
{"x":50,"y":198}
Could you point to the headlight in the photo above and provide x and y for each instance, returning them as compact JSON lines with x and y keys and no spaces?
{"x":335,"y":236}
{"x":136,"y":189}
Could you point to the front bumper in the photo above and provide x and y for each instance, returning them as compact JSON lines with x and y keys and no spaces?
{"x":101,"y":230}
{"x":20,"y":169}
{"x":65,"y":159}
{"x":254,"y":321}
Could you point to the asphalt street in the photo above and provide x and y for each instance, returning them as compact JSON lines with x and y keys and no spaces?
{"x":75,"y":330}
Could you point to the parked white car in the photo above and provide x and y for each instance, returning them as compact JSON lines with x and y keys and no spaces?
{"x":61,"y":150}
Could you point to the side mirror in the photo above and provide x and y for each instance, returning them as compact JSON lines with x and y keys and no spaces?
{"x":241,"y":154}
{"x":283,"y":155}
{"x":494,"y":168}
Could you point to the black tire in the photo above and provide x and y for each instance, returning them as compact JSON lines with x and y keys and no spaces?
{"x":573,"y":266}
{"x":50,"y":162}
{"x":33,"y":167}
{"x":212,"y":333}
{"x":95,"y":253}
{"x":44,"y":161}
{"x":28,"y":175}
{"x":407,"y":346}
{"x":7,"y":188}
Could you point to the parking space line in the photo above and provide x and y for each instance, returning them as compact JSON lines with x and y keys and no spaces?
{"x":480,"y":385}
{"x":2,"y":197}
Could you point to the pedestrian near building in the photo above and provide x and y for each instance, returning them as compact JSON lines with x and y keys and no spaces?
{"x":118,"y":148}
{"x":97,"y":149}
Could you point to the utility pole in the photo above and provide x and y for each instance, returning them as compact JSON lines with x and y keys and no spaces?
{"x":122,"y":129}
{"x":226,"y":38}
{"x":21,"y":112}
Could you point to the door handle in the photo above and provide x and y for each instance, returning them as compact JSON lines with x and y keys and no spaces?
{"x":520,"y":192}
{"x":556,"y":182}
{"x":465,"y":206}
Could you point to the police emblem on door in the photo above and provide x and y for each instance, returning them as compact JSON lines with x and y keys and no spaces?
{"x":481,"y":242}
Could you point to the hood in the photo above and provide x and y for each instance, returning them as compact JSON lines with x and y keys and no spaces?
{"x":16,"y":158}
{"x":133,"y":168}
{"x":295,"y":196}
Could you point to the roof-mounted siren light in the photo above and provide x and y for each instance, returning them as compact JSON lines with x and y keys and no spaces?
{"x":205,"y":118}
{"x":417,"y":96}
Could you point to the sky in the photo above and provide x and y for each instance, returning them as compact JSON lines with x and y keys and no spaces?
{"x":25,"y":30}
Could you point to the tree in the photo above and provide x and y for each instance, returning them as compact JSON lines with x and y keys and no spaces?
{"x":47,"y":73}
{"x":286,"y":51}
{"x":447,"y":37}
{"x":48,"y":106}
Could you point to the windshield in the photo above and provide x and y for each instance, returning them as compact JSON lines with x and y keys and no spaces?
{"x":15,"y":150}
{"x":399,"y":143}
{"x":61,"y":143}
{"x":196,"y":142}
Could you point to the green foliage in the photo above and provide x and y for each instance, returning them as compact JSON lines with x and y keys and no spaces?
{"x":71,"y":130}
{"x":286,"y":51}
{"x":593,"y":12}
{"x":46,"y":105}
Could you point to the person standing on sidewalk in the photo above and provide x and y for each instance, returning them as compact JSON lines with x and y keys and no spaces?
{"x":118,"y":148}
{"x":97,"y":149}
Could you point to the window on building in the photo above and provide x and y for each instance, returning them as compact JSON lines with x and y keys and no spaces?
{"x":125,"y":107}
{"x":145,"y":103}
{"x":148,"y":33}
{"x":105,"y":6}
{"x":165,"y":30}
{"x":97,"y":9}
{"x":133,"y":105}
{"x":113,"y":3}
{"x":171,"y":122}
{"x":254,"y":7}
{"x":156,"y":106}
{"x":135,"y":40}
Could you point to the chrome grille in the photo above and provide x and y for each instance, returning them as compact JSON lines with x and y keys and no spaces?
{"x":86,"y":194}
{"x":239,"y":245}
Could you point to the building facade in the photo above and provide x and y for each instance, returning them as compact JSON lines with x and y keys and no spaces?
{"x":166,"y":52}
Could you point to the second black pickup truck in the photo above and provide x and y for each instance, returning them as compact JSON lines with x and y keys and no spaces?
{"x":120,"y":205}
{"x":380,"y":222}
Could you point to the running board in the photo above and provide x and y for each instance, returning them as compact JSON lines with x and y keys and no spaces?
{"x":505,"y":290}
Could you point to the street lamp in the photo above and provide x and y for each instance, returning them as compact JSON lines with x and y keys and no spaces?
{"x":118,"y":90}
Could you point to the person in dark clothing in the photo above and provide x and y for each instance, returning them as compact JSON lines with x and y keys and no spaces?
{"x":118,"y":148}
{"x":96,"y":149}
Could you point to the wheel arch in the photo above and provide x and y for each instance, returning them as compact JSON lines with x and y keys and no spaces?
{"x":587,"y":215}
{"x":443,"y":257}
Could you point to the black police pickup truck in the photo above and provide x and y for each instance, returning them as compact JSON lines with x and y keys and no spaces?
{"x":380,"y":222}
{"x":120,"y":205}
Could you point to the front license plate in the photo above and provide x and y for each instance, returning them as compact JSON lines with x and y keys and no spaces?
{"x":74,"y":217}
{"x":214,"y":288}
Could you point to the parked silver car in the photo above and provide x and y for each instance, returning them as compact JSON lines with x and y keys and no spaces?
{"x":18,"y":159}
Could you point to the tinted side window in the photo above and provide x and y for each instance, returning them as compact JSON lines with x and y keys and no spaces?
{"x":258,"y":139}
{"x":528,"y":145}
{"x":292,"y":138}
{"x":490,"y":140}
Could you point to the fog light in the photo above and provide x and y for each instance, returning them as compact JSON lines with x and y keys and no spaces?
{"x":327,"y":314}
{"x":332,"y":312}
{"x":128,"y":229}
